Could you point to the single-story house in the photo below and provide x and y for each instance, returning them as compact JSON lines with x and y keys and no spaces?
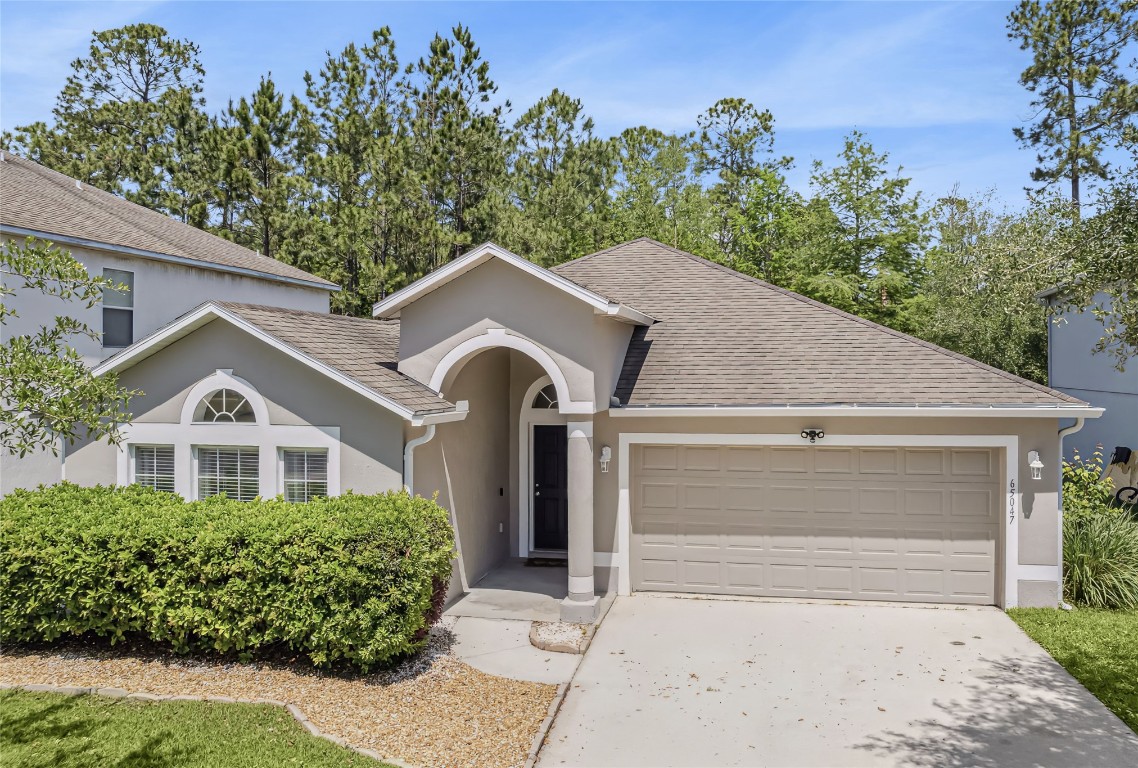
{"x":659,"y":421}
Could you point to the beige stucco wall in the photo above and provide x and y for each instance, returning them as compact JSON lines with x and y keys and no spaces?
{"x":468,"y":464}
{"x":371,"y":453}
{"x":497,"y":295}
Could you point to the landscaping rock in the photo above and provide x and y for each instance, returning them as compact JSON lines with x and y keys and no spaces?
{"x":560,"y":637}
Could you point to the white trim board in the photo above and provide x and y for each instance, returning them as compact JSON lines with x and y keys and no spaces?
{"x":1013,"y":500}
{"x":479,"y":255}
{"x":206,"y":313}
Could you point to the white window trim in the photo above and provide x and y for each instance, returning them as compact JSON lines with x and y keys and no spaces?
{"x":1012,"y":507}
{"x":223,"y":378}
{"x":266,"y":438}
{"x":281,"y":471}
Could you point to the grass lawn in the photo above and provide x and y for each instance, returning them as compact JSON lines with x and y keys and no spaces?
{"x":1099,"y":648}
{"x":44,"y":729}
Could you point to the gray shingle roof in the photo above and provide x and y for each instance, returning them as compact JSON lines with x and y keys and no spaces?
{"x":728,"y":339}
{"x":362,"y":349}
{"x":36,"y":198}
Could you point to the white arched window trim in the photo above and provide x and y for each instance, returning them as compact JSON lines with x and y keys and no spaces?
{"x":269,"y":439}
{"x":223,"y":378}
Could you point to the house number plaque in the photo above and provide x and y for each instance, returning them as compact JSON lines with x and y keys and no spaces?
{"x":1012,"y":502}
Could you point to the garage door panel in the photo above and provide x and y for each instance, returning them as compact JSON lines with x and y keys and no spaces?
{"x":885,"y":524}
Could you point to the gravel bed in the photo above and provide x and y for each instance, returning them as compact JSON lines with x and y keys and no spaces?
{"x":432,"y":711}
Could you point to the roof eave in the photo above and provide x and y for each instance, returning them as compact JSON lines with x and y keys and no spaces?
{"x":166,"y":257}
{"x":206,"y":313}
{"x":1073,"y":410}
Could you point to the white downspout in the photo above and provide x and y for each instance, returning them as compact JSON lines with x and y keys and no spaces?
{"x":1063,"y":433}
{"x":409,"y":458}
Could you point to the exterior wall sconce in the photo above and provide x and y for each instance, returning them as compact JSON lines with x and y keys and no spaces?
{"x":1036,"y":465}
{"x":606,"y":457}
{"x":812,"y":434}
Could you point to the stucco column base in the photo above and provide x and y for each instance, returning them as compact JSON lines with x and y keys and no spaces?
{"x":579,"y":611}
{"x":580,"y":488}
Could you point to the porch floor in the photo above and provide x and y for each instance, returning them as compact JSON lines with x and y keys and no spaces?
{"x":513,"y":590}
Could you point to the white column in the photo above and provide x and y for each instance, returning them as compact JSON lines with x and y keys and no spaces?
{"x":581,"y":603}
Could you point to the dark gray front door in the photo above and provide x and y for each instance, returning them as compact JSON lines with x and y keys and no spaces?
{"x":550,"y":494}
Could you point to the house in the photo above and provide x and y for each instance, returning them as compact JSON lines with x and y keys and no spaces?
{"x":1074,"y":367}
{"x":659,"y":421}
{"x":169,"y":267}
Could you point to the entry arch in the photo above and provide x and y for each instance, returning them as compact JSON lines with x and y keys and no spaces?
{"x":453,"y":361}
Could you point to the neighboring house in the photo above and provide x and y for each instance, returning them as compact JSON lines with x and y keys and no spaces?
{"x":661,"y":422}
{"x":1074,"y":368}
{"x":171,"y":268}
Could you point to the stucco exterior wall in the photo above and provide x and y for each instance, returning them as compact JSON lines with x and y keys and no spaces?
{"x":497,"y":295}
{"x":468,"y":464}
{"x":162,"y":293}
{"x":1074,"y":368}
{"x":371,"y":452}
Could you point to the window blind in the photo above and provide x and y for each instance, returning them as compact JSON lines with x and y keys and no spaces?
{"x":305,"y":474}
{"x":232,"y":471}
{"x":154,"y":467}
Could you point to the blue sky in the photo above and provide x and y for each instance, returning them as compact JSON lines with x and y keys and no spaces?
{"x":935,"y":84}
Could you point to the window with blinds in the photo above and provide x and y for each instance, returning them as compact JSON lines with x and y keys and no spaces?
{"x":305,"y":474}
{"x":232,"y":471}
{"x":154,"y":467}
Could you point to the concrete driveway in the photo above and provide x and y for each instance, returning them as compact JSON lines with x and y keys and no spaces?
{"x":674,"y":681}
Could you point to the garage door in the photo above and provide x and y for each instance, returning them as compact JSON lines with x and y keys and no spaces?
{"x":911,"y":524}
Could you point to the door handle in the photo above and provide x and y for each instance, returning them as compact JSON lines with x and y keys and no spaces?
{"x":537,"y":493}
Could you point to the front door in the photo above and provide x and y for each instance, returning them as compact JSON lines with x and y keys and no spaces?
{"x":550,"y":494}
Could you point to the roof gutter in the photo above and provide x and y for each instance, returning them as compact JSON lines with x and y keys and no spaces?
{"x":165,"y":257}
{"x":874,"y":411}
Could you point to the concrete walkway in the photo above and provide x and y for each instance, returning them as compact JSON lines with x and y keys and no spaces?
{"x":501,"y":647}
{"x":703,"y":682}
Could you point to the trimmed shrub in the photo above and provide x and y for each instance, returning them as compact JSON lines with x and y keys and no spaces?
{"x":348,"y":579}
{"x":1100,"y":561}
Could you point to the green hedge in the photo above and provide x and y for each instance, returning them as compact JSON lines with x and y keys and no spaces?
{"x":353,"y":579}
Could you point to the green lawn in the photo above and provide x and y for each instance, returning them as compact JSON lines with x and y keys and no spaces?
{"x":42,"y":730}
{"x":1100,"y":648}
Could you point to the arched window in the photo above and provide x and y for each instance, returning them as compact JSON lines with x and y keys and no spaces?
{"x":225,"y":405}
{"x":546,"y":398}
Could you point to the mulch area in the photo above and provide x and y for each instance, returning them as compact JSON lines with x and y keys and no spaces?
{"x":431,"y":711}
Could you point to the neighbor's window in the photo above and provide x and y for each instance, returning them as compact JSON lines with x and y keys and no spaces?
{"x":546,"y":398}
{"x":305,"y":474}
{"x":154,"y":467}
{"x":225,"y":405}
{"x":118,"y":309}
{"x":232,"y":471}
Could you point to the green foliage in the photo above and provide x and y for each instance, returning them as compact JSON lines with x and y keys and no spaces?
{"x":1086,"y":493}
{"x":47,"y":730}
{"x":1100,"y":561}
{"x":47,"y":393}
{"x":1096,"y":647}
{"x":341,"y":580}
{"x":1082,"y":98}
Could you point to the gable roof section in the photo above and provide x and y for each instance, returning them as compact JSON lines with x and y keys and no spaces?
{"x":36,"y":201}
{"x":725,"y":339}
{"x":391,"y":306}
{"x":357,"y":352}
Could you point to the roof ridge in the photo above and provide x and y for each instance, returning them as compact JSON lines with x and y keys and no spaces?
{"x":273,"y":308}
{"x":849,"y":316}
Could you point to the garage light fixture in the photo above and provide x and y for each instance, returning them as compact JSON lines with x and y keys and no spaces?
{"x":812,"y":434}
{"x":1036,"y":465}
{"x":606,"y":457}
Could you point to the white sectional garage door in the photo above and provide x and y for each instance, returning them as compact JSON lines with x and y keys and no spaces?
{"x":911,"y":524}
